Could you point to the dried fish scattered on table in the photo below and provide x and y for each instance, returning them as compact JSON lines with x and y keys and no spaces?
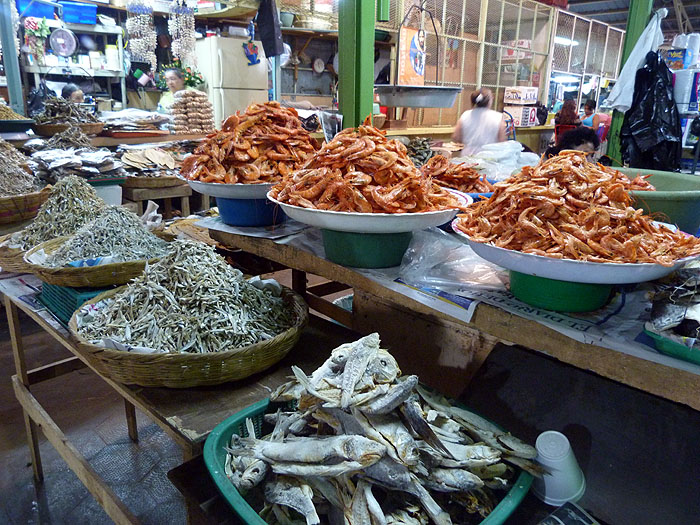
{"x":6,"y":113}
{"x":72,"y":137}
{"x":88,"y":163}
{"x":372,"y":446}
{"x":360,"y":170}
{"x":261,"y":145}
{"x":460,"y":177}
{"x":569,"y":208}
{"x":420,"y":151}
{"x":150,"y":162}
{"x":117,"y":233}
{"x":16,"y":172}
{"x":72,"y":203}
{"x":62,"y":111}
{"x":191,"y":301}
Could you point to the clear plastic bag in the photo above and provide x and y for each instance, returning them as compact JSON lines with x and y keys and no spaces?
{"x":437,"y":259}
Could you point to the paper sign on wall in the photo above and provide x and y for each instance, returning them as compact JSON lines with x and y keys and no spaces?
{"x":411,"y":57}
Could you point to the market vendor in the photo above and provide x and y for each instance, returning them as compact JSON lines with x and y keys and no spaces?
{"x":568,"y":115}
{"x":480,"y":125}
{"x":581,"y":139}
{"x":73,"y":93}
{"x":591,"y":118}
{"x":175,"y":80}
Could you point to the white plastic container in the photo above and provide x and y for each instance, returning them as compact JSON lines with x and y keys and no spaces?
{"x":680,"y":41}
{"x":565,"y":482}
{"x":685,"y":90}
{"x":111,"y":194}
{"x":694,"y":46}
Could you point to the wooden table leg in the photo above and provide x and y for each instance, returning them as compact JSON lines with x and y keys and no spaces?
{"x":131,"y":421}
{"x":21,"y":369}
{"x":139,"y":204}
{"x":185,"y":205}
{"x":299,"y":282}
{"x":167,"y":208}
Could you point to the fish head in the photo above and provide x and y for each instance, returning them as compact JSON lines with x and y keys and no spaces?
{"x":362,"y":449}
{"x":384,"y":368}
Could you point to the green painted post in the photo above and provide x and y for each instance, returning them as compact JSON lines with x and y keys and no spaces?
{"x":356,"y":60}
{"x":383,"y":10}
{"x":637,"y":20}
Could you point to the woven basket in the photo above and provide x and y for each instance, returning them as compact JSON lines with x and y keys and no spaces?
{"x":190,"y":370}
{"x":12,"y":259}
{"x":19,"y":208}
{"x":99,"y":276}
{"x":49,"y":130}
{"x":153,"y":182}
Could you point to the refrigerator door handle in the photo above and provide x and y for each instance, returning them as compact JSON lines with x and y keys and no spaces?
{"x":221,"y":69}
{"x":223,"y":114}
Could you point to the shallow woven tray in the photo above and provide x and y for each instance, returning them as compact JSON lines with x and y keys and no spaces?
{"x":190,"y":370}
{"x":153,"y":182}
{"x":85,"y":276}
{"x":49,"y":130}
{"x":12,"y":259}
{"x":17,"y":208}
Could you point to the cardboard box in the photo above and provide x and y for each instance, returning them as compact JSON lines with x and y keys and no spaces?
{"x":523,"y":116}
{"x":520,"y":95}
{"x":677,"y":59}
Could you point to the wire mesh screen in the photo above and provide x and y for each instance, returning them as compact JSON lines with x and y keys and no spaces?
{"x":578,"y":46}
{"x":596,"y":48}
{"x":562,"y":41}
{"x":612,"y":52}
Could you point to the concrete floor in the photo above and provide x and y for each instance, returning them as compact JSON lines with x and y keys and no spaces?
{"x":638,"y":452}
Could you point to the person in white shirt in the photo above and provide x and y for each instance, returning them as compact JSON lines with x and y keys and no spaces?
{"x":480,"y":125}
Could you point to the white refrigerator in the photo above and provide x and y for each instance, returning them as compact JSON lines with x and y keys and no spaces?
{"x":232,"y":84}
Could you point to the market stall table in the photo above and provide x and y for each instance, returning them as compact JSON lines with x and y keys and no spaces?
{"x":443,"y":348}
{"x":168,"y":193}
{"x":187,"y":415}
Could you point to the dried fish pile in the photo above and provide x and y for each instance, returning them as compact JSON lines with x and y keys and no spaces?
{"x":569,"y":208}
{"x":191,"y":301}
{"x":460,"y":177}
{"x":16,"y":172}
{"x":62,"y":111}
{"x":72,"y":203}
{"x":54,"y":164}
{"x":675,"y":307}
{"x":420,"y":151}
{"x":366,"y":445}
{"x":117,"y":233}
{"x":69,"y":138}
{"x":6,"y":113}
{"x":260,"y":145}
{"x":150,"y":162}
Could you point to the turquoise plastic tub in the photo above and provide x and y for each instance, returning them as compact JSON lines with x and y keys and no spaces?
{"x":676,"y":199}
{"x":215,"y":456}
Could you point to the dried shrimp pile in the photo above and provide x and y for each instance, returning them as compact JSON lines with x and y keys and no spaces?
{"x":191,"y":301}
{"x":115,"y":232}
{"x":16,"y":174}
{"x":460,"y":177}
{"x":69,"y":138}
{"x":375,"y":447}
{"x":61,"y":111}
{"x":361,"y":171}
{"x":262,"y":144}
{"x":192,"y":112}
{"x":6,"y":113}
{"x":568,"y":208}
{"x":72,"y":203}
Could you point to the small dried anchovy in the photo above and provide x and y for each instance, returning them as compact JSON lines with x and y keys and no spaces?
{"x":62,"y":111}
{"x":69,"y":138}
{"x":115,"y":232}
{"x":6,"y":113}
{"x":72,"y":203}
{"x":16,"y":174}
{"x":419,"y":150}
{"x":190,"y":301}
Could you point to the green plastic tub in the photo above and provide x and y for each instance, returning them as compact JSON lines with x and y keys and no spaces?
{"x":676,"y":199}
{"x":559,"y":296}
{"x":215,"y":455}
{"x":670,"y":347}
{"x":365,"y":250}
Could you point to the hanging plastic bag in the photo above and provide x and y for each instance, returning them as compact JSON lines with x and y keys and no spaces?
{"x":651,"y":132}
{"x":621,"y":95}
{"x":35,"y":100}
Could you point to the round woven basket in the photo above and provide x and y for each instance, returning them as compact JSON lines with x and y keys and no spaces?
{"x":11,"y":259}
{"x":49,"y":130}
{"x":190,"y":370}
{"x":153,"y":182}
{"x":19,"y":208}
{"x":99,"y":276}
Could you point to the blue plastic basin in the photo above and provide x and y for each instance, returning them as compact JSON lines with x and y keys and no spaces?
{"x":249,"y":212}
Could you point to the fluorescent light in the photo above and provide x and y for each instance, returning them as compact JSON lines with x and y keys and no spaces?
{"x":566,"y":79}
{"x":565,"y":41}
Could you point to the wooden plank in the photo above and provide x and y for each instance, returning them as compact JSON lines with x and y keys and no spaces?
{"x":53,"y":370}
{"x":328,"y":288}
{"x":662,"y":380}
{"x":104,"y":495}
{"x":106,"y":142}
{"x":142,"y":194}
{"x":329,"y":309}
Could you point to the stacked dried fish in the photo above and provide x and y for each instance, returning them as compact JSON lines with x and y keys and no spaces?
{"x":150,"y":162}
{"x":370,"y":446}
{"x":191,"y":301}
{"x":420,"y":151}
{"x":72,"y":137}
{"x":116,"y":233}
{"x":62,"y":111}
{"x":192,"y":112}
{"x":72,"y":203}
{"x":16,"y":172}
{"x":54,"y":164}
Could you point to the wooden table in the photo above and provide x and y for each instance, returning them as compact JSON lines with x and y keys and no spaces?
{"x":141,"y":195}
{"x":187,"y":415}
{"x":444,"y":351}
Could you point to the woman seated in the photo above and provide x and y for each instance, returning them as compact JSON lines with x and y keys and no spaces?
{"x":591,"y":119}
{"x":73,"y":93}
{"x":567,"y":116}
{"x":175,"y":80}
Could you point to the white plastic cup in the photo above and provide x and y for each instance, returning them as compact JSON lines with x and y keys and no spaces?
{"x":565,"y":482}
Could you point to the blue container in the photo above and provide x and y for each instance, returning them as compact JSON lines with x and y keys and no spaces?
{"x":36,"y":9}
{"x":249,"y":212}
{"x":76,"y":13}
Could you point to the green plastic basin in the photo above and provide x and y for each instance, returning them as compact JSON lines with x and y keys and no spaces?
{"x":559,"y":296}
{"x":674,"y":349}
{"x":220,"y":437}
{"x":676,"y":199}
{"x":365,"y":250}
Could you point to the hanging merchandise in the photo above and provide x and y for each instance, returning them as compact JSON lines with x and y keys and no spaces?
{"x":15,"y":26}
{"x":181,"y":29}
{"x":249,"y":48}
{"x":142,"y":32}
{"x":269,"y":28}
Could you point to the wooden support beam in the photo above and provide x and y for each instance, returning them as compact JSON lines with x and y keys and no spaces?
{"x":52,"y":370}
